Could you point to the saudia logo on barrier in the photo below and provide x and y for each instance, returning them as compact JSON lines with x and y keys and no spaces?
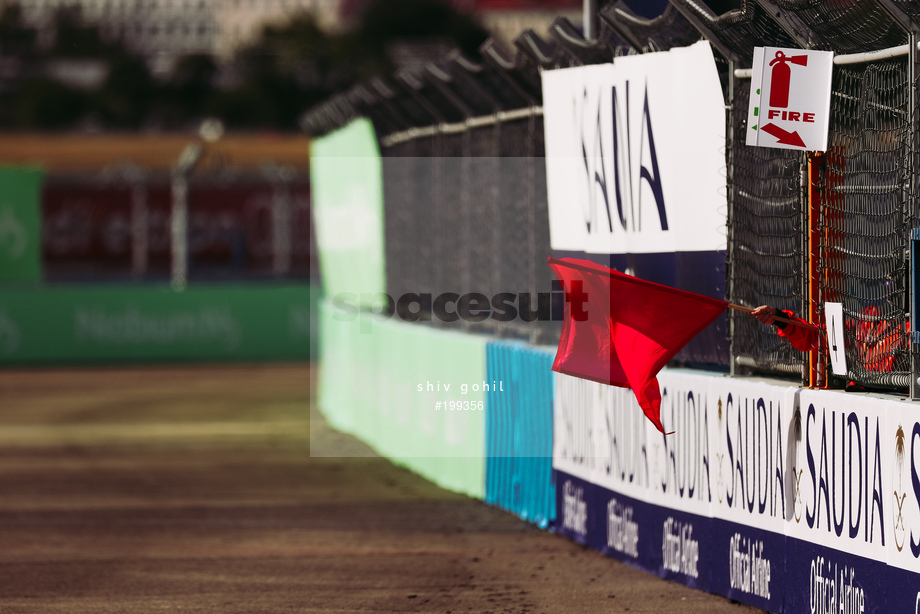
{"x":601,"y":433}
{"x":905,"y":536}
{"x":741,"y":463}
{"x":635,"y":153}
{"x":627,"y":454}
{"x":900,"y":528}
{"x":572,"y":439}
{"x":839,"y":489}
{"x":750,"y":461}
{"x":609,"y":159}
{"x":686,"y":452}
{"x":597,"y":431}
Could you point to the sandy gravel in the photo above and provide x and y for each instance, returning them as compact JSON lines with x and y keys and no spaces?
{"x":193,"y":490}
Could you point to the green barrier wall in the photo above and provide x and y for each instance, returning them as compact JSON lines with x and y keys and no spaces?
{"x":101,"y":324}
{"x":20,"y":226}
{"x":346,"y":180}
{"x":369,"y":386}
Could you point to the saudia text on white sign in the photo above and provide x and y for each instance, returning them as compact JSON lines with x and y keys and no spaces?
{"x":601,"y":435}
{"x":634,"y":154}
{"x":750,"y":454}
{"x":813,"y":496}
{"x":843,"y":475}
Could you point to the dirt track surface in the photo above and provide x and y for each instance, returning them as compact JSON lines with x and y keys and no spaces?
{"x":193,"y":490}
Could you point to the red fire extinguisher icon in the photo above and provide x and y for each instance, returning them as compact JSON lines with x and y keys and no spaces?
{"x":779,"y":82}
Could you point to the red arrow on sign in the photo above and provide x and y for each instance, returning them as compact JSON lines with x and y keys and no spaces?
{"x":783,"y":137}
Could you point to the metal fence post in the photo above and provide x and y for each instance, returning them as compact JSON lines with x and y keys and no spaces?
{"x":280,"y":177}
{"x":135,"y":178}
{"x":179,"y":216}
{"x":139,"y":223}
{"x":729,"y":222}
{"x":589,"y":18}
{"x":913,"y":339}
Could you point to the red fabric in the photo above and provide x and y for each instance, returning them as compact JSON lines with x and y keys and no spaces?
{"x":803,"y":338}
{"x":630,"y":330}
{"x":880,"y":341}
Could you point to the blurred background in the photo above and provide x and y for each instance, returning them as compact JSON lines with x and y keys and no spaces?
{"x":104,"y":97}
{"x":165,"y":65}
{"x":155,"y":162}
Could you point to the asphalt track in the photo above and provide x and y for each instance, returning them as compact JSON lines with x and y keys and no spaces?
{"x":193,"y":490}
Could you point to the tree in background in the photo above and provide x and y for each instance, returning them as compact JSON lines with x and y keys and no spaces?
{"x":188,"y":92}
{"x":285,"y":70}
{"x":294,"y":66}
{"x":73,"y":38}
{"x":266,"y":86}
{"x":41,"y":103}
{"x":128,"y":95}
{"x":384,"y":21}
{"x":16,"y":40}
{"x":34,"y":100}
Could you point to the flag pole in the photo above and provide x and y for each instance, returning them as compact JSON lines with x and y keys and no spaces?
{"x":780,"y":318}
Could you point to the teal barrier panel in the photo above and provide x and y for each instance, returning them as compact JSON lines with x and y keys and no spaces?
{"x":519,"y":430}
{"x":114,"y":324}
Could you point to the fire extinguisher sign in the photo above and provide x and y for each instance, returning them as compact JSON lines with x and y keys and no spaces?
{"x":790,"y":98}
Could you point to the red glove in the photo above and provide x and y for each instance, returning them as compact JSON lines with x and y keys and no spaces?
{"x":802,"y":338}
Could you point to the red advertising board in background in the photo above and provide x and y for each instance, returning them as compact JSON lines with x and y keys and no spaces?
{"x":87,"y":230}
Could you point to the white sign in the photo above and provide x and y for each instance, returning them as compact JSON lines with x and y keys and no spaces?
{"x":835,"y":341}
{"x":842,"y":473}
{"x":813,"y":464}
{"x":635,"y":154}
{"x":602,"y":436}
{"x":818,"y":489}
{"x":790,"y":98}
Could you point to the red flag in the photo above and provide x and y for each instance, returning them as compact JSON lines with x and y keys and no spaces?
{"x":621,"y":330}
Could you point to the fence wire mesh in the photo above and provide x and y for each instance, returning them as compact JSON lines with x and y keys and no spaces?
{"x":909,"y":7}
{"x":742,"y":29}
{"x":466,"y":208}
{"x":466,"y":213}
{"x":864,"y":218}
{"x":767,"y":263}
{"x":670,"y":29}
{"x":860,"y":201}
{"x":850,"y":26}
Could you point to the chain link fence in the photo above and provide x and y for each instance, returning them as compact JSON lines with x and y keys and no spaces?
{"x":864,"y":218}
{"x":465,"y":185}
{"x":466,"y":212}
{"x":766,"y":264}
